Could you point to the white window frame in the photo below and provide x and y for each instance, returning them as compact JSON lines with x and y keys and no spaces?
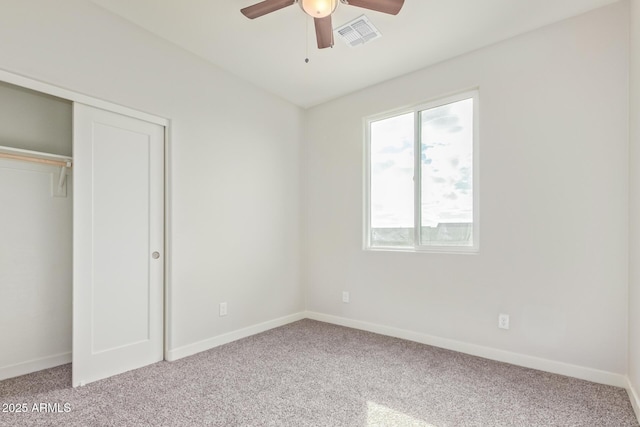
{"x":416,"y":109}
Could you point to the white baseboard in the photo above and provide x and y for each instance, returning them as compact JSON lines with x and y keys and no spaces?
{"x":34,"y":365}
{"x":634,"y":398}
{"x":575,"y":371}
{"x":190,"y":349}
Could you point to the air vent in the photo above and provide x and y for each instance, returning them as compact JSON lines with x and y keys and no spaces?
{"x":358,"y":32}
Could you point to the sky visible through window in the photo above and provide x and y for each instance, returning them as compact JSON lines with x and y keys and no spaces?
{"x":446,"y":167}
{"x":392,"y":172}
{"x":447,"y":164}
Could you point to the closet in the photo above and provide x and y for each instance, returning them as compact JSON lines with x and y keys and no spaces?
{"x":82,"y":233}
{"x":35,"y":230}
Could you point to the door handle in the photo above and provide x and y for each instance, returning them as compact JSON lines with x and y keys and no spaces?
{"x":155,"y":255}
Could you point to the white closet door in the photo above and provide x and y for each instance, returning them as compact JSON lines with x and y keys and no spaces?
{"x":118,"y":222}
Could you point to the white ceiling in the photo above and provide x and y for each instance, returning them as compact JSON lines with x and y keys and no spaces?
{"x":270,"y":51}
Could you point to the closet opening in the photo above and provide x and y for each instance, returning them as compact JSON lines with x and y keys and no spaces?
{"x":36,"y":204}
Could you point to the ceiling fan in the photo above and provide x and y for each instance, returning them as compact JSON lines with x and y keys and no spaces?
{"x":320,"y":11}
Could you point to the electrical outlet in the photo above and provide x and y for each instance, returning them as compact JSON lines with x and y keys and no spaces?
{"x":345,"y":297}
{"x":503,"y":321}
{"x":223,"y":309}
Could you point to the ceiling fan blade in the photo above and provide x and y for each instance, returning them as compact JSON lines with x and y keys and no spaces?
{"x":264,"y":7}
{"x":324,"y":32}
{"x":392,"y":7}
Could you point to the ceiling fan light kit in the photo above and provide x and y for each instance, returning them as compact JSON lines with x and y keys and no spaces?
{"x":321,"y":11}
{"x":318,"y":8}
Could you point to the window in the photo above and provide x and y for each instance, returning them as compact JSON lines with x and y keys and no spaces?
{"x":422,"y":177}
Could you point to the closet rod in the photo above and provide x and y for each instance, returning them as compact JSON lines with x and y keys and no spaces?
{"x":60,"y":163}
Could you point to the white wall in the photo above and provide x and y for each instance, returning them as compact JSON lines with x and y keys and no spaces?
{"x":35,"y":269}
{"x":634,"y":193}
{"x":35,"y":247}
{"x":234,"y":157}
{"x":553,"y":196}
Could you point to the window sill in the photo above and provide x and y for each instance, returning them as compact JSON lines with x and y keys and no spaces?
{"x":445,"y":250}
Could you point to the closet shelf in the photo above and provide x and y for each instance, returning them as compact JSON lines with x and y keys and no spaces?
{"x":35,"y":156}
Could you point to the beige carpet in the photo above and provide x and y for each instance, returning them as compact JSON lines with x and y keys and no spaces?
{"x":314,"y":374}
